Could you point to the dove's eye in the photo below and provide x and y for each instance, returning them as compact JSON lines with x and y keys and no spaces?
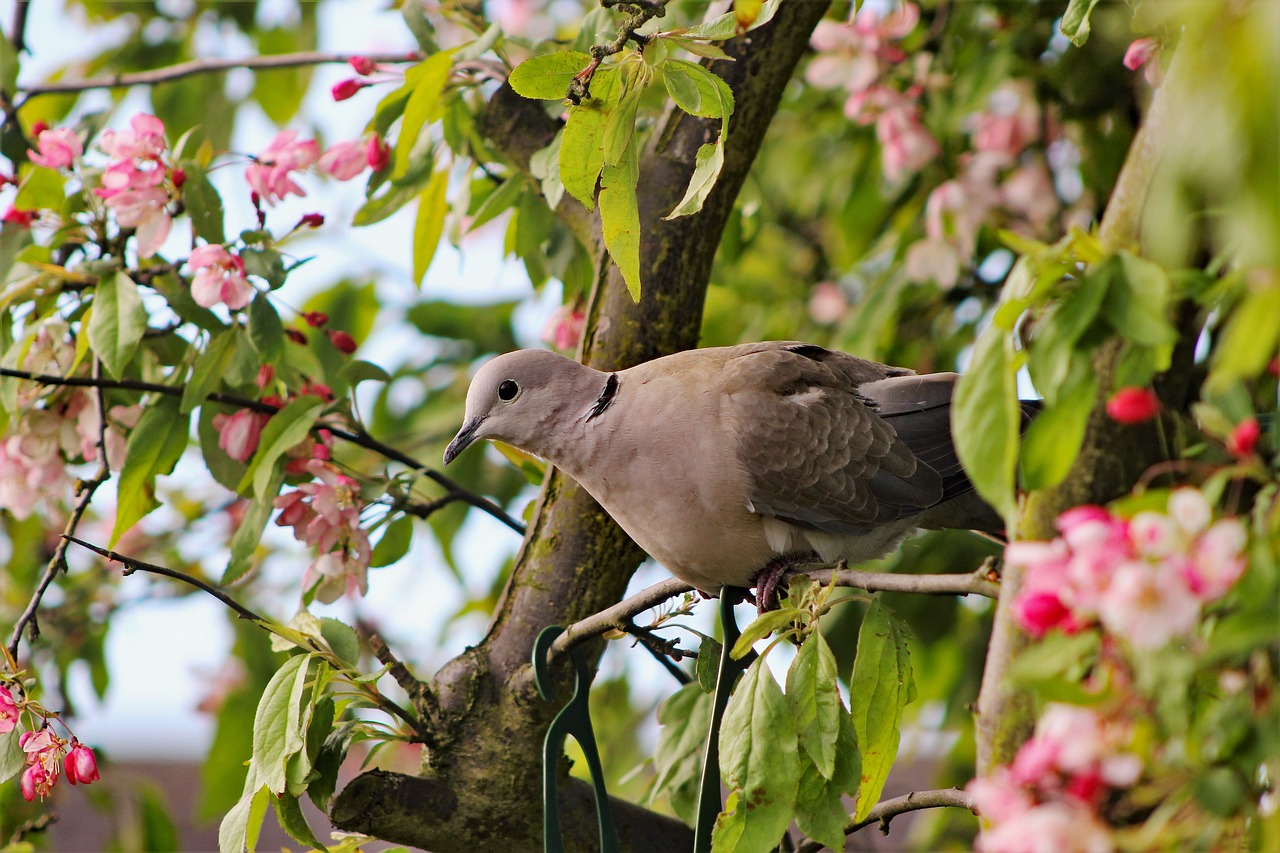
{"x":507,"y":390}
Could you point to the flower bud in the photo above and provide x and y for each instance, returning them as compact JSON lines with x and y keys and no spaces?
{"x":1133,"y":405}
{"x":344,"y":89}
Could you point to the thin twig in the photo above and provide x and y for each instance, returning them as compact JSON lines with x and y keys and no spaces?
{"x":207,"y":66}
{"x":58,"y":562}
{"x":885,"y":811}
{"x":18,"y":35}
{"x":133,"y":564}
{"x":970,"y":583}
{"x":641,"y":12}
{"x":419,"y":693}
{"x":355,"y":435}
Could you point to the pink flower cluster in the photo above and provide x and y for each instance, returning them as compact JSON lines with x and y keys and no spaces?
{"x":133,"y":185}
{"x":859,"y":57}
{"x":271,"y":173}
{"x":1048,"y":799}
{"x":325,"y":514}
{"x":999,"y":179}
{"x":44,"y":752}
{"x":1144,"y":580}
{"x":219,"y":277}
{"x":58,"y":148}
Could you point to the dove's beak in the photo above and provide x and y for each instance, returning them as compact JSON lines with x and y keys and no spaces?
{"x":463,"y":439}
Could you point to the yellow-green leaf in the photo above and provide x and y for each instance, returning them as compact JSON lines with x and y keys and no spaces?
{"x":986,"y":418}
{"x":620,"y":218}
{"x":547,"y":77}
{"x":881,"y":687}
{"x":119,"y":321}
{"x":429,"y":223}
{"x":427,"y":80}
{"x":153,"y":448}
{"x":705,"y":172}
{"x":582,"y":144}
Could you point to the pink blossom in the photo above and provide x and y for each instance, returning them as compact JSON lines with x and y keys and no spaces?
{"x":325,"y":514}
{"x":999,"y":797}
{"x":1244,"y":438}
{"x":564,"y":328}
{"x":1057,"y":827}
{"x":906,"y":146}
{"x":377,"y":153}
{"x":1148,"y":606}
{"x":81,"y":764}
{"x":344,"y":89}
{"x":239,"y":433}
{"x":827,"y":304}
{"x":37,"y":782}
{"x":344,"y":160}
{"x":219,"y":277}
{"x":1010,"y":123}
{"x":58,"y":148}
{"x":1144,"y":53}
{"x":144,"y":139}
{"x":270,"y":176}
{"x":8,"y":711}
{"x":147,"y":211}
{"x":1133,"y":405}
{"x":1217,"y":560}
{"x":1029,"y":193}
{"x":362,"y":65}
{"x":20,"y":217}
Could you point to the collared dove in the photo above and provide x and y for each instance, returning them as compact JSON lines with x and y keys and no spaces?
{"x":730,"y":464}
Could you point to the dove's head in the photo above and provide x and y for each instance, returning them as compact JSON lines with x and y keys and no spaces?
{"x":525,"y":398}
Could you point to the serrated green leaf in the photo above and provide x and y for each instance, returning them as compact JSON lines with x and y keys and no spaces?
{"x":397,"y":195}
{"x":289,"y":814}
{"x":760,"y":763}
{"x":10,"y":62}
{"x":582,"y":143}
{"x":209,"y":370}
{"x":764,"y":625}
{"x":202,"y":202}
{"x":620,"y":124}
{"x":119,"y":321}
{"x":710,"y":160}
{"x":328,"y":762}
{"x":880,"y":688}
{"x":342,"y":638}
{"x":1075,"y":21}
{"x":153,"y":449}
{"x":394,"y":543}
{"x":620,"y":218}
{"x":814,"y":696}
{"x":695,"y":89}
{"x":275,"y":738}
{"x":820,"y":811}
{"x":287,"y":428}
{"x":685,"y":717}
{"x":12,"y":758}
{"x":429,"y":224}
{"x":266,"y":332}
{"x":547,"y":77}
{"x":986,"y":418}
{"x":426,"y":80}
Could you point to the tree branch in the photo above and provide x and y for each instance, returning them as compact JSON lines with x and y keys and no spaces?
{"x":18,"y":33}
{"x":886,"y":810}
{"x":58,"y":562}
{"x":356,"y":435}
{"x":206,"y":66}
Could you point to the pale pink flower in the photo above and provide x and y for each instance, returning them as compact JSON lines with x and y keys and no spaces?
{"x":1190,"y":510}
{"x":1028,"y":192}
{"x":270,"y":176}
{"x":58,"y":148}
{"x":999,"y":797}
{"x":81,"y":764}
{"x":8,"y":711}
{"x":1148,"y":606}
{"x":326,"y":515}
{"x":1057,"y":827}
{"x":344,"y":160}
{"x":147,"y":211}
{"x":932,"y":260}
{"x":144,"y":139}
{"x":37,"y":782}
{"x":219,"y":277}
{"x":239,"y":433}
{"x":1144,"y":53}
{"x":514,"y":16}
{"x":564,"y":328}
{"x":1217,"y":560}
{"x":827,"y":303}
{"x":905,"y":145}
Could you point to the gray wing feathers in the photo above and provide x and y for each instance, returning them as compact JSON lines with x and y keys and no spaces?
{"x":816,"y":453}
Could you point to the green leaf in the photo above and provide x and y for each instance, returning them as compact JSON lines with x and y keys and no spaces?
{"x":697,"y":48}
{"x":399,"y":193}
{"x":547,"y":77}
{"x":41,"y":190}
{"x":286,"y":429}
{"x":342,"y":638}
{"x":394,"y":543}
{"x":620,"y":218}
{"x":240,"y":828}
{"x":746,"y":12}
{"x":1075,"y":21}
{"x":707,"y":169}
{"x":880,"y":688}
{"x":426,"y":80}
{"x":209,"y":370}
{"x":696,"y":90}
{"x":153,"y":448}
{"x":429,"y":223}
{"x":244,"y":542}
{"x":1053,"y":440}
{"x":685,"y":717}
{"x":276,"y":737}
{"x":358,"y":370}
{"x":814,"y":695}
{"x":707,"y":665}
{"x":289,"y":813}
{"x":760,"y":763}
{"x":424,"y":32}
{"x":582,"y":144}
{"x":764,"y":625}
{"x":266,"y":264}
{"x":502,"y":198}
{"x":1250,"y":338}
{"x":986,"y":418}
{"x":119,"y":321}
{"x":820,"y":811}
{"x":12,"y":758}
{"x":726,"y":26}
{"x":1137,"y":302}
{"x":620,"y":124}
{"x":202,"y":202}
{"x":328,"y":762}
{"x":10,"y":62}
{"x":266,"y":332}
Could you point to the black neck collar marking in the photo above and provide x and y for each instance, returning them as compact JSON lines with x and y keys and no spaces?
{"x":605,"y":398}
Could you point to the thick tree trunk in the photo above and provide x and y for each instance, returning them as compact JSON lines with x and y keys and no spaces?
{"x":480,"y":788}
